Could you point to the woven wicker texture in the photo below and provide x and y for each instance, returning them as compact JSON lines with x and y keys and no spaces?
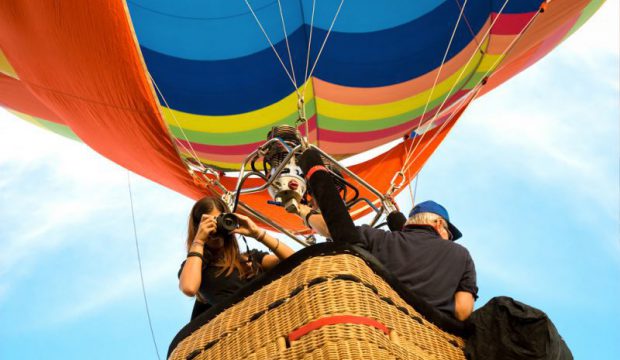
{"x":258,"y":327}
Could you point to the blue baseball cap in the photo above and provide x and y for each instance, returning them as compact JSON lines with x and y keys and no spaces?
{"x":432,"y":207}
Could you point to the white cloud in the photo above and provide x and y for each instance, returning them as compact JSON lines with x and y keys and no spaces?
{"x":120,"y":283}
{"x":57,"y":195}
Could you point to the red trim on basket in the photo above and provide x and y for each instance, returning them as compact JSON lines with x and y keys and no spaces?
{"x":332,"y":320}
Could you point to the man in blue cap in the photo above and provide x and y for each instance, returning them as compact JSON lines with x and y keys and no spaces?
{"x":441,"y":272}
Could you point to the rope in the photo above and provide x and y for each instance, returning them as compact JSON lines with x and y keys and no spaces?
{"x":329,"y":31}
{"x":135,"y":234}
{"x":303,"y":93}
{"x":413,"y":192}
{"x":273,"y":47}
{"x":309,"y":45}
{"x":191,"y":150}
{"x":482,"y":80}
{"x":512,"y":43}
{"x":412,"y":147}
{"x":288,"y":49}
{"x":443,"y":61}
{"x":444,"y":124}
{"x":471,"y":31}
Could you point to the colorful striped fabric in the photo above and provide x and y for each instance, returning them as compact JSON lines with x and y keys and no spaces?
{"x":226,"y":88}
{"x":215,"y":87}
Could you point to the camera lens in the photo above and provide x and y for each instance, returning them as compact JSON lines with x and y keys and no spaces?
{"x":226,"y":222}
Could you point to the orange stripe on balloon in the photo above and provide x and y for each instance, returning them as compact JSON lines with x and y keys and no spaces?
{"x":16,"y":95}
{"x":553,"y":40}
{"x":81,"y":60}
{"x":499,"y":43}
{"x":519,"y":57}
{"x":386,"y":94}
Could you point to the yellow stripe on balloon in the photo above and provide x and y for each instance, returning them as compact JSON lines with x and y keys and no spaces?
{"x":219,"y":164}
{"x":5,"y":66}
{"x":490,"y":62}
{"x":374,"y":112}
{"x":239,"y":122}
{"x":29,"y":118}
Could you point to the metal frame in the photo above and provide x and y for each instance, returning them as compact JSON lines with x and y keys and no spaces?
{"x":232,"y":197}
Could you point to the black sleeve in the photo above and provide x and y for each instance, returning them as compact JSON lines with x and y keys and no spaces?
{"x":368,"y":236}
{"x":335,"y":213}
{"x":468,"y":280}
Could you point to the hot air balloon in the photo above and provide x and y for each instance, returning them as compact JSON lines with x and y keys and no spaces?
{"x":182,"y":92}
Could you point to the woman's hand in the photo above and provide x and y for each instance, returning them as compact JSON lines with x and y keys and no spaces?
{"x":207,"y":227}
{"x":247,"y":227}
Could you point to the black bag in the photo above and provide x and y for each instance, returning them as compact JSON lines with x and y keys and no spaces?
{"x":507,"y":329}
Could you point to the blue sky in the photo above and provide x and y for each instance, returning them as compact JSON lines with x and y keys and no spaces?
{"x":530,"y":175}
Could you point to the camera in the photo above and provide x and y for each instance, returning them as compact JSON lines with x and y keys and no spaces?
{"x":226,"y":222}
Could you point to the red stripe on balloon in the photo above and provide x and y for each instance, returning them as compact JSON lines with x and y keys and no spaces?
{"x":402,"y":129}
{"x":510,"y":24}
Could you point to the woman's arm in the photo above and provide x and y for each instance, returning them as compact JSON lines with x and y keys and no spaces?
{"x":247,"y":227}
{"x":191,"y":274}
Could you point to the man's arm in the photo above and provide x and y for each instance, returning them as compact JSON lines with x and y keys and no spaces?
{"x":321,"y":184}
{"x":315,"y":220}
{"x":467,"y":291}
{"x":463,"y":305}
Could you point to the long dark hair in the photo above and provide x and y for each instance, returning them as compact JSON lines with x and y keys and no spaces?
{"x":228,"y":258}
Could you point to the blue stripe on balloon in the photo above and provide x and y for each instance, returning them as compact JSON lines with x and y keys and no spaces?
{"x":368,"y":15}
{"x":228,"y":86}
{"x":396,"y":55}
{"x":515,"y":7}
{"x":225,"y":29}
{"x":217,"y":37}
{"x":352,"y":59}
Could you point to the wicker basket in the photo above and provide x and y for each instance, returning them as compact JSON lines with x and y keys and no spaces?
{"x":327,"y":307}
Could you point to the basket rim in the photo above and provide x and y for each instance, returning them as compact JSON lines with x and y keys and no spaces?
{"x":431,"y":314}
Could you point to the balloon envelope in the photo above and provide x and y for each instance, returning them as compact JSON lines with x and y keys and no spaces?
{"x":155,"y":84}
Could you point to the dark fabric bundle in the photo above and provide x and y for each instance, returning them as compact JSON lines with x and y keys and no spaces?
{"x":508,"y":329}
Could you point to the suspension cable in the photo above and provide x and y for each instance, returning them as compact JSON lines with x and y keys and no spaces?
{"x":483,"y":79}
{"x":512,"y":43}
{"x":471,"y":31}
{"x":443,"y":61}
{"x":260,"y":25}
{"x":288,"y":48}
{"x":309,"y":44}
{"x":306,"y":79}
{"x":415,"y":144}
{"x":475,"y":91}
{"x":135,"y":234}
{"x":331,"y":26}
{"x":413,"y":192}
{"x":191,"y":150}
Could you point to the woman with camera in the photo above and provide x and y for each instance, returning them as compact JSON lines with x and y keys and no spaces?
{"x":215,"y":268}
